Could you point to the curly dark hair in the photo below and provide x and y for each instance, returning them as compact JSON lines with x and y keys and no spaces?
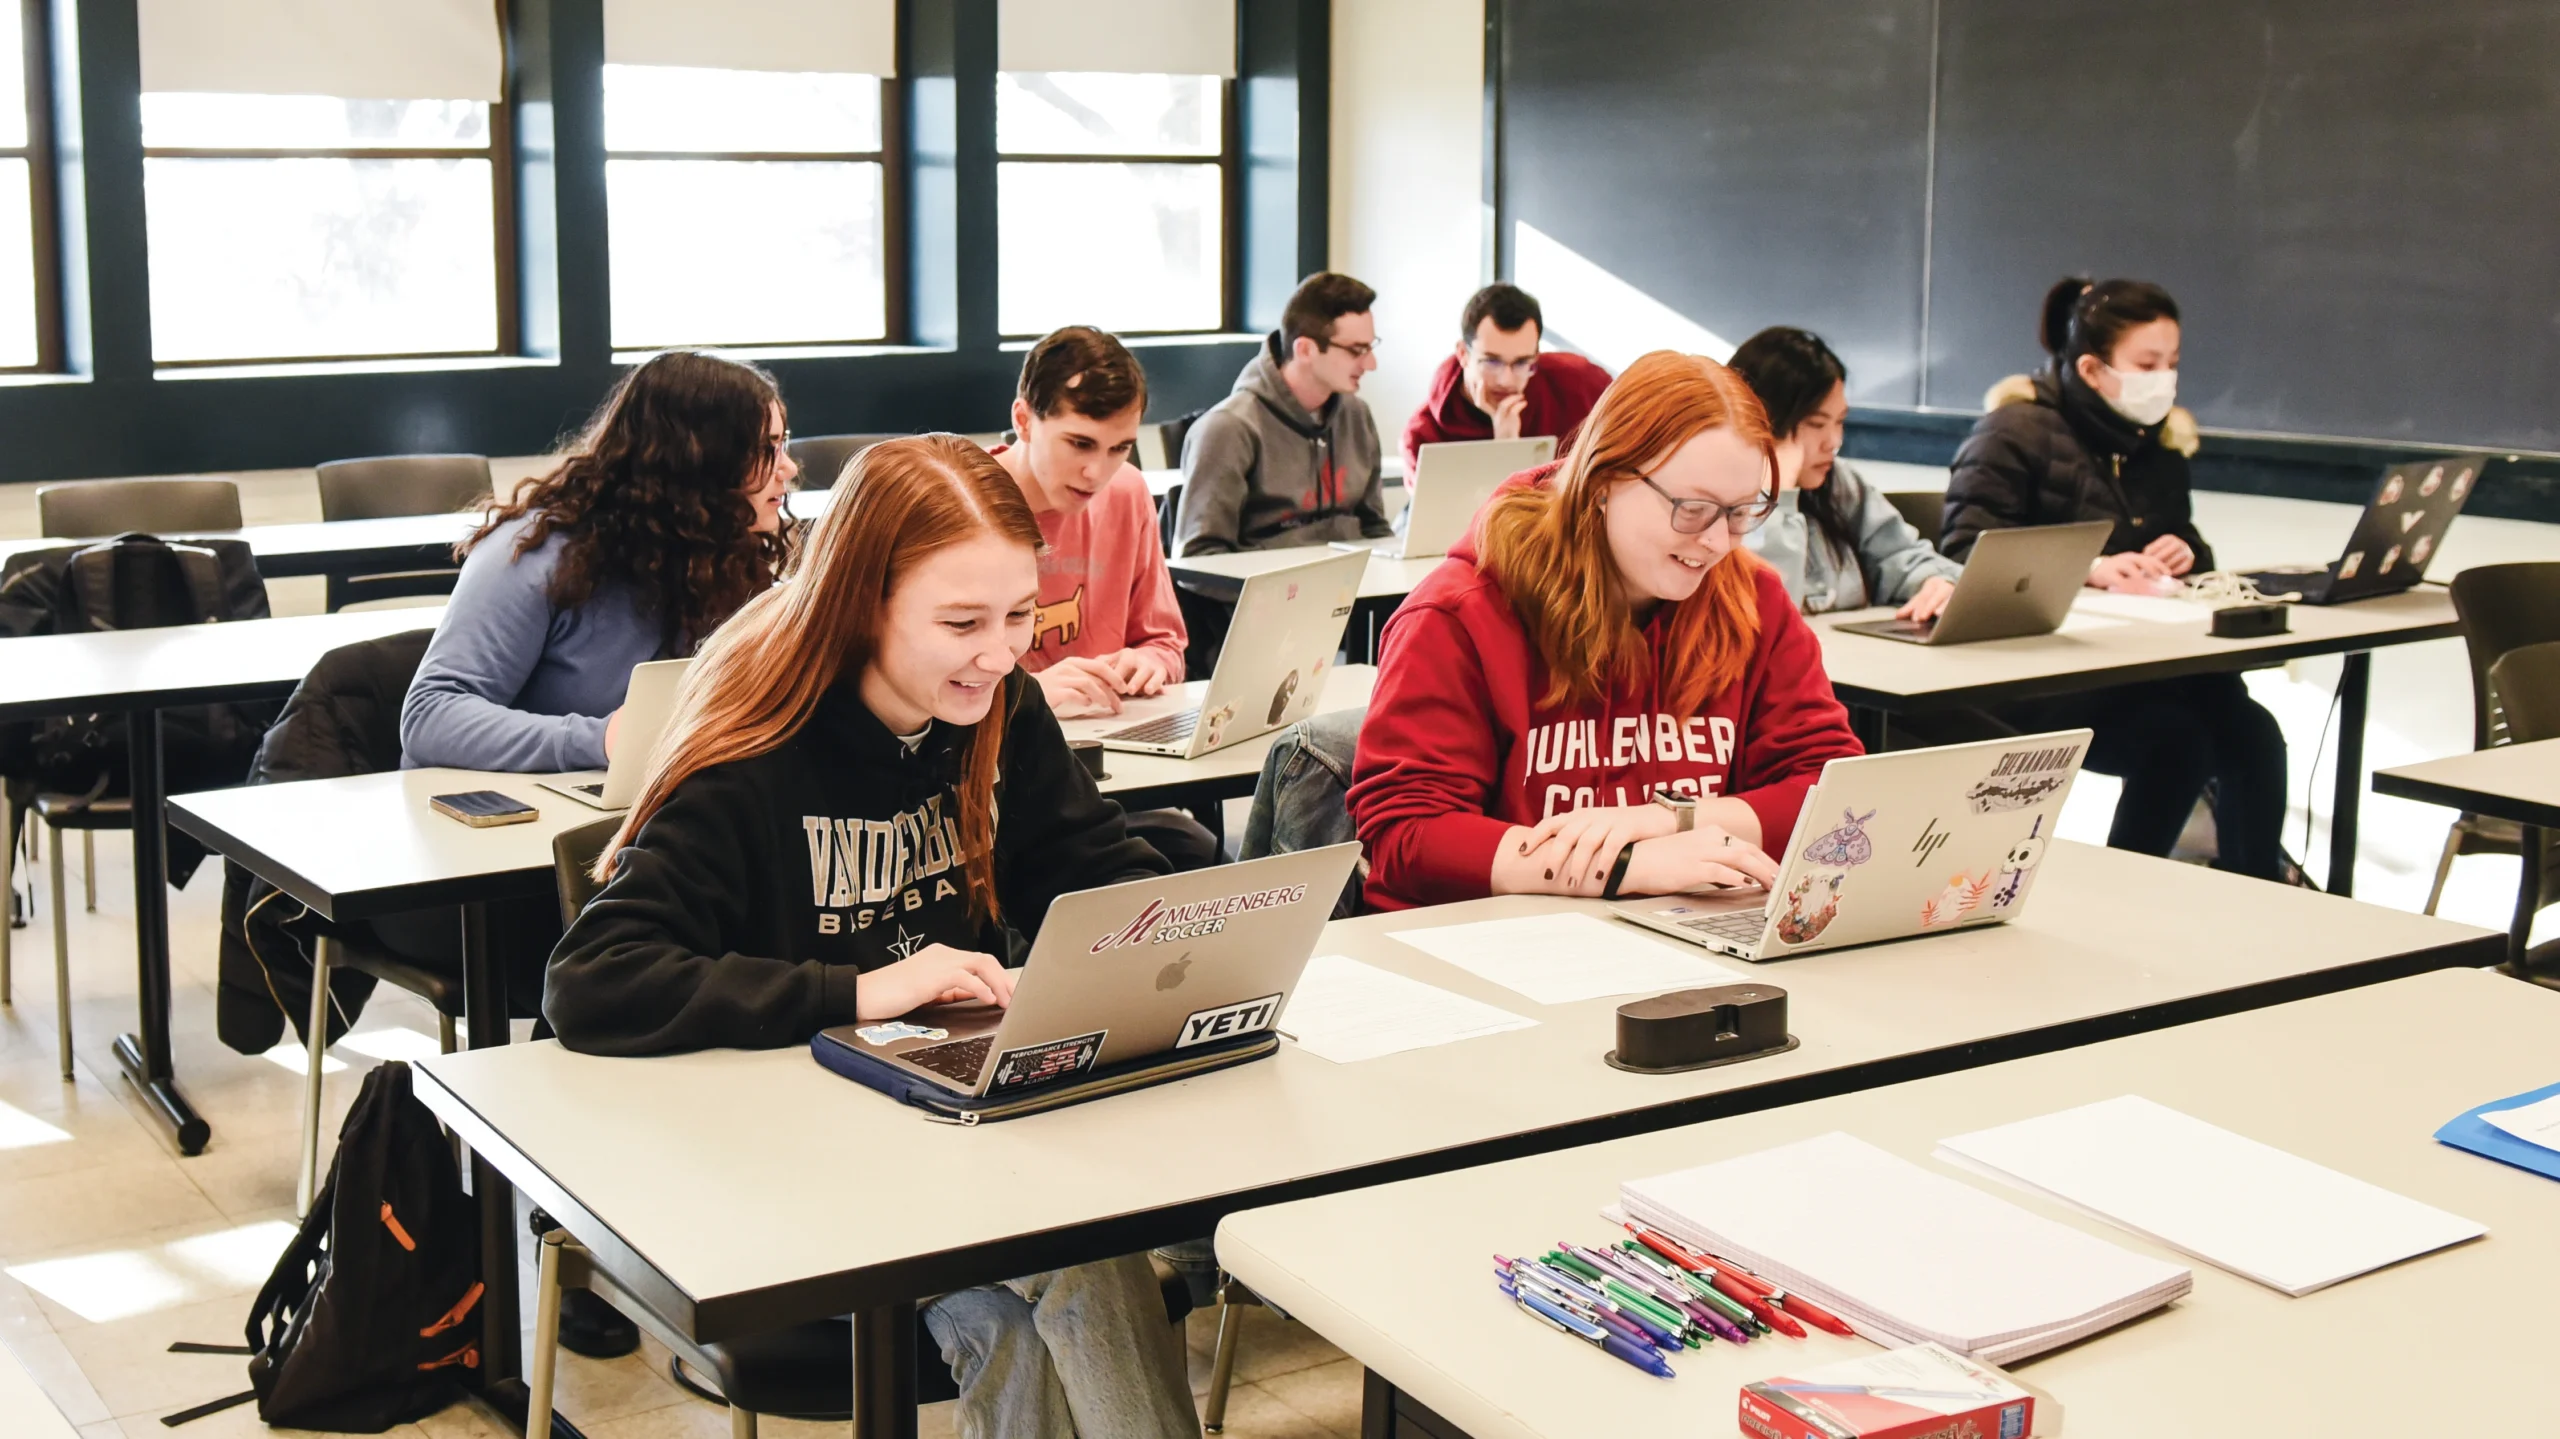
{"x":652,"y":496}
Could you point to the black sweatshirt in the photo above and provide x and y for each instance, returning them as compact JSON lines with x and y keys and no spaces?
{"x":749,"y":902}
{"x":2062,"y":456}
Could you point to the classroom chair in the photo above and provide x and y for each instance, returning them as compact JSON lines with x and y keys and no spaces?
{"x":1926,"y":510}
{"x":96,"y":509}
{"x":1169,"y":436}
{"x":2527,"y":682}
{"x":391,"y":486}
{"x":822,"y":458}
{"x":2502,"y":608}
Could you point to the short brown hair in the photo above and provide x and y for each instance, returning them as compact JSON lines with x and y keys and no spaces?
{"x":1083,"y":369}
{"x":1321,"y":299}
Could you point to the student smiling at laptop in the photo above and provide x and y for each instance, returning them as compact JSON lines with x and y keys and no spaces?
{"x":859,"y":800}
{"x":1600,"y":642}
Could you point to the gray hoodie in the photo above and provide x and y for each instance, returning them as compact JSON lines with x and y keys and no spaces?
{"x":1891,"y":564}
{"x":1260,"y":473}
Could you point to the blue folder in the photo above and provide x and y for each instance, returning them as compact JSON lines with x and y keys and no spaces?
{"x":2470,"y":1131}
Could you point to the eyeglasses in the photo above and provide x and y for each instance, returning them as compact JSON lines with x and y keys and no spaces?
{"x":1357,"y":352}
{"x":1696,"y":517}
{"x":1493,"y":366}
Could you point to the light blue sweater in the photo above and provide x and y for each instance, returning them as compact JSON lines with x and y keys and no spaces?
{"x":512,"y":681}
{"x":1891,"y":564}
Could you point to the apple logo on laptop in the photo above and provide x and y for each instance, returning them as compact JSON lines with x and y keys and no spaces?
{"x":2023,"y":582}
{"x":1172,"y":975}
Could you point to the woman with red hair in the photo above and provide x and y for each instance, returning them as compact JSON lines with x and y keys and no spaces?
{"x":1601,"y":692}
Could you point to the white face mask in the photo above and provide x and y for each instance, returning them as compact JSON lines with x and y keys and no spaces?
{"x":2143,"y":396}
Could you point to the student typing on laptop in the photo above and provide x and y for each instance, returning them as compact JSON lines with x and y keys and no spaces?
{"x":860,"y":803}
{"x":2095,"y":436}
{"x":1602,"y":639}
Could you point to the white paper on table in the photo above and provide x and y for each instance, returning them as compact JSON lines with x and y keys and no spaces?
{"x":2535,"y":1123}
{"x":2077,"y":623}
{"x":2147,"y":609}
{"x":1561,"y":958}
{"x":1347,"y":1011}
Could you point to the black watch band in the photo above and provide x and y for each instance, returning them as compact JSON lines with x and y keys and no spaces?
{"x":1618,"y":872}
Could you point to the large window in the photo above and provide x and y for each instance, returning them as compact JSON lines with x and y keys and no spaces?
{"x":745,"y":207}
{"x":1113,"y":196}
{"x":300,"y":227}
{"x":27,"y":320}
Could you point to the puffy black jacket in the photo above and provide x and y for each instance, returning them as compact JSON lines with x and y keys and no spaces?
{"x":2049,"y":453}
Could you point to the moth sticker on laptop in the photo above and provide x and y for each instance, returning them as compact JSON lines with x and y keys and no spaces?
{"x":1229,"y":1021}
{"x":1034,"y":1065}
{"x":1846,"y":847}
{"x":2023,"y":778}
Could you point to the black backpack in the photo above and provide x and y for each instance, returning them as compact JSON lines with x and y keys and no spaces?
{"x":372,"y":1317}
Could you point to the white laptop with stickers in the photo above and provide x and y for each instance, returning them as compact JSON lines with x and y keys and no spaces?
{"x":1280,"y":646}
{"x":647,"y":705}
{"x":1892,"y":845}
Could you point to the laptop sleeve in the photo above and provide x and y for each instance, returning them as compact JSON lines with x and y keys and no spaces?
{"x":837,"y":1050}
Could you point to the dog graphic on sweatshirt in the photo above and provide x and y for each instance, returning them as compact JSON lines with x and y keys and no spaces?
{"x":1065,"y":616}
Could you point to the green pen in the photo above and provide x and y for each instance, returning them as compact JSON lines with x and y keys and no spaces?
{"x":1714,"y":1298}
{"x":1655,"y":1309}
{"x":1580,"y":1268}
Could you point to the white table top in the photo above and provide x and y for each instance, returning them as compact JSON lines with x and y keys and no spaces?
{"x":187,"y":664}
{"x":1132,"y":777}
{"x":25,"y":1412}
{"x":1384,"y":578}
{"x":1400,"y":1276}
{"x":735,"y":1190}
{"x":322,"y":546}
{"x":1868,"y":670}
{"x":2520,"y":782}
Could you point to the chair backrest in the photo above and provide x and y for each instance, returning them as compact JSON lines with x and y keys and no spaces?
{"x":2503,"y":607}
{"x":1926,"y":510}
{"x":94,"y":509}
{"x":2527,"y":680}
{"x":822,"y":457}
{"x":392,"y":485}
{"x":574,"y":853}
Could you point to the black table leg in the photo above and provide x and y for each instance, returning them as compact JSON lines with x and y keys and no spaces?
{"x":2528,"y":896}
{"x":144,"y":1056}
{"x":1874,"y":729}
{"x":884,"y":1372}
{"x":2354,"y":682}
{"x":484,"y":1005}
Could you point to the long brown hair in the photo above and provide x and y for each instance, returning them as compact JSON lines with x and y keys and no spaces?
{"x":760,"y":676}
{"x":1548,"y":547}
{"x":653,"y":496}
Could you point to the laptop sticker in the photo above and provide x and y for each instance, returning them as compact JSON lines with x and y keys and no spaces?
{"x":1229,"y":1021}
{"x":2424,"y":547}
{"x":1280,"y":700}
{"x":2409,"y":520}
{"x":1034,"y":1065}
{"x":2432,"y":483}
{"x":1801,"y":924}
{"x":2024,"y":777}
{"x":2353,"y":562}
{"x":1215,"y":722}
{"x":891,"y":1033}
{"x":1962,"y":896}
{"x":2018,"y":866}
{"x":2392,"y":489}
{"x":2461,"y":483}
{"x":2390,"y":557}
{"x":1846,"y":847}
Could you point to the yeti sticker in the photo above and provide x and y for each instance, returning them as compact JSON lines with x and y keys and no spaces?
{"x":1229,"y":1021}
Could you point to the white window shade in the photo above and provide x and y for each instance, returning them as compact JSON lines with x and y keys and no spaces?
{"x":846,"y":37}
{"x":349,"y":49}
{"x":1128,"y":37}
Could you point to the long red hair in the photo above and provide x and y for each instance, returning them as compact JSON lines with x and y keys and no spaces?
{"x":1548,"y":547}
{"x":758,"y":678}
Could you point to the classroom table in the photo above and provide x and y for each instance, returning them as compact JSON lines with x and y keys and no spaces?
{"x":326,"y":547}
{"x":139,"y":673}
{"x":734,"y":1191}
{"x":1400,"y":1276}
{"x":25,"y":1412}
{"x":1149,"y":781}
{"x":2519,"y":782}
{"x":1883,"y":678}
{"x":1383,"y":585}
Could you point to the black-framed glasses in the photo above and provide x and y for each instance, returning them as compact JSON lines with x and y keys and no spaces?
{"x":1696,"y":517}
{"x":1357,"y":352}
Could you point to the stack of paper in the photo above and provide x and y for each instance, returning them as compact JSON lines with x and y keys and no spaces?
{"x":2228,"y":1200}
{"x":1902,"y":1253}
{"x":1347,"y":1011}
{"x":1562,"y":958}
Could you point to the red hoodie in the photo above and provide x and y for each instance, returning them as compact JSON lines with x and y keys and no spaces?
{"x":1456,"y":749}
{"x":1562,"y":390}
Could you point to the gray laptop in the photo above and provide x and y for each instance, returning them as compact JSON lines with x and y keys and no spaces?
{"x":647,"y":705}
{"x":1463,"y":474}
{"x":1150,"y":967}
{"x":1280,"y":646}
{"x":2016,"y":582}
{"x":1891,"y":845}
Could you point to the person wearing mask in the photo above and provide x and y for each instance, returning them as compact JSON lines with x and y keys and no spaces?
{"x":1498,"y":385}
{"x":1291,"y":457}
{"x":1601,"y":692}
{"x":880,"y":685}
{"x":2096,"y":435}
{"x":1837,"y":542}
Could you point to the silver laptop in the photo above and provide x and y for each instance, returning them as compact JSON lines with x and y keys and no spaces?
{"x":1892,"y":845}
{"x":2016,"y":582}
{"x":1280,"y":646}
{"x":1149,"y":967}
{"x":1463,"y":474}
{"x":647,"y":705}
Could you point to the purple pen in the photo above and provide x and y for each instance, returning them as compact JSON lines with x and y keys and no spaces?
{"x":1635,"y":1277}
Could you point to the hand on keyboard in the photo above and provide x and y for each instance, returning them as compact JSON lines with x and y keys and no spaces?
{"x":936,"y":974}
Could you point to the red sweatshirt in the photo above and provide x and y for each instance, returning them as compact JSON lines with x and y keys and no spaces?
{"x":1562,"y":390}
{"x":1104,"y":587}
{"x":1456,"y":749}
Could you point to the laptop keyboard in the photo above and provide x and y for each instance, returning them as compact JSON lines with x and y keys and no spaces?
{"x":1742,"y":926}
{"x":1171,"y":729}
{"x":959,"y":1061}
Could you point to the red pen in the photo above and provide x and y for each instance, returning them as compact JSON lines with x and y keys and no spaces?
{"x":1814,"y":1314}
{"x":1729,"y":1283}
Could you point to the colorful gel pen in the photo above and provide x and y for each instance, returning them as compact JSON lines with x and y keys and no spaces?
{"x":1641,"y":1356}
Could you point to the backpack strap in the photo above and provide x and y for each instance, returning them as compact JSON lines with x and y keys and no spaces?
{"x":202,"y":570}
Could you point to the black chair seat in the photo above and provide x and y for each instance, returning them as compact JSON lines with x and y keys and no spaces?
{"x":71,"y":811}
{"x":444,"y":991}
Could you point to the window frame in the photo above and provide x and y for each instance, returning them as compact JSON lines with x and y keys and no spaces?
{"x":896,"y":315}
{"x":499,"y":150}
{"x":35,"y":31}
{"x":1229,"y":164}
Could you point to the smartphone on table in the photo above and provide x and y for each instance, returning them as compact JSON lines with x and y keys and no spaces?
{"x":482,"y":808}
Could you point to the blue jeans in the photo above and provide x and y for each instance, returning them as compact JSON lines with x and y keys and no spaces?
{"x":1083,"y":1351}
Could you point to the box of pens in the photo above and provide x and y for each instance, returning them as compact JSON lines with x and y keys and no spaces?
{"x":1921,"y":1392}
{"x":1647,"y":1297}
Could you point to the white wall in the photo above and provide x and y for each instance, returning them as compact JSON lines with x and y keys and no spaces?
{"x":1408,"y":180}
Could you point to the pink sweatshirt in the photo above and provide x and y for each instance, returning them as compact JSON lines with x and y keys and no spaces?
{"x":1104,"y":587}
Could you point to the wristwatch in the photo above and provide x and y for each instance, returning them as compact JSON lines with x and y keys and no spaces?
{"x":1683,"y":807}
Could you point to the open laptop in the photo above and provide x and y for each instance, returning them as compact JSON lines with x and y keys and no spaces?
{"x":2412,"y":507}
{"x":1280,"y":646}
{"x":1156,"y":966}
{"x":2016,"y":582}
{"x":1463,"y":474}
{"x":1893,"y":845}
{"x":646,"y":707}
